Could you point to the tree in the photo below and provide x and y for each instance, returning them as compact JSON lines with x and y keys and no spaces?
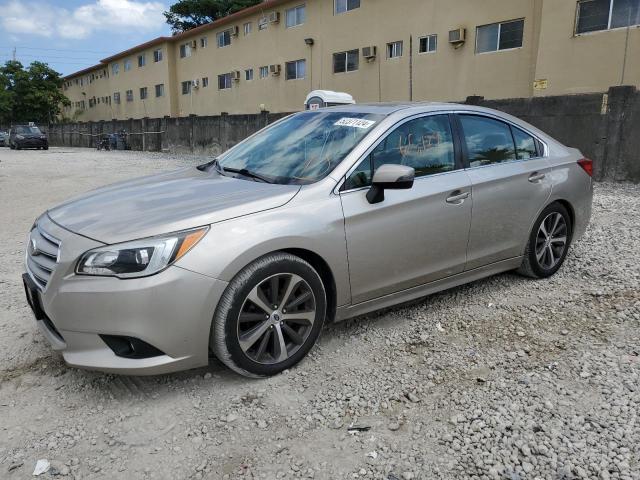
{"x":30,"y":95}
{"x":187,"y":14}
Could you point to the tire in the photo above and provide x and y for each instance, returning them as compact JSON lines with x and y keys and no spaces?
{"x":12,"y":146}
{"x":264,"y":356}
{"x":545,"y":254}
{"x":46,"y":147}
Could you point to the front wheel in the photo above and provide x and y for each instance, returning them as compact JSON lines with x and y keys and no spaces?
{"x":548,"y":243}
{"x":270,"y":316}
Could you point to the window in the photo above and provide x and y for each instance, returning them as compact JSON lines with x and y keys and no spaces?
{"x":499,"y":36}
{"x":525,"y":144}
{"x":142,"y":60}
{"x":204,"y":41}
{"x":426,"y":144}
{"x":346,"y":5}
{"x":263,"y":23}
{"x":157,"y":55}
{"x":115,"y":68}
{"x":224,"y":38}
{"x":143,"y":93}
{"x":264,"y":72}
{"x":127,"y":65}
{"x":185,"y":50}
{"x":160,"y":90}
{"x":428,"y":44}
{"x":596,"y":15}
{"x":488,"y":141}
{"x":247,"y":28}
{"x":295,"y":70}
{"x":248,"y":74}
{"x":205,"y":82}
{"x":295,"y":16}
{"x":394,"y":49}
{"x":346,"y":61}
{"x":224,"y":81}
{"x":308,"y":146}
{"x":186,"y":87}
{"x":129,"y":94}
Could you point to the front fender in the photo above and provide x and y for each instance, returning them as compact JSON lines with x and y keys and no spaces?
{"x":316,"y":226}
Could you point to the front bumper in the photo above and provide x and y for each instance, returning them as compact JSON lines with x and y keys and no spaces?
{"x":31,"y":143}
{"x":171,"y":311}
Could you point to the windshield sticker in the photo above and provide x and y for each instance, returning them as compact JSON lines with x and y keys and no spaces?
{"x":355,"y":123}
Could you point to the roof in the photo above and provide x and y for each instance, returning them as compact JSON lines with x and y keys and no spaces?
{"x":264,"y":5}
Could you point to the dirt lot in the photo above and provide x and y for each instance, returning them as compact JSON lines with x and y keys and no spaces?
{"x":505,"y":378}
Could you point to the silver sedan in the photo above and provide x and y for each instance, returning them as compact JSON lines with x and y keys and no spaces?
{"x":319,"y":217}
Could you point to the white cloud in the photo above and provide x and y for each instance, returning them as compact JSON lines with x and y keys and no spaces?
{"x":46,"y":20}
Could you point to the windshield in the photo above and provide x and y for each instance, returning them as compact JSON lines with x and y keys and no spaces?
{"x":24,"y":129}
{"x":302,"y":148}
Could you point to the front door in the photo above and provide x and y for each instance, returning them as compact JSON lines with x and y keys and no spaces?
{"x":414,"y":236}
{"x":510,"y":184}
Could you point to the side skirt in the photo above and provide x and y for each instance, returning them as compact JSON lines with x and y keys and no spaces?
{"x":413,"y":293}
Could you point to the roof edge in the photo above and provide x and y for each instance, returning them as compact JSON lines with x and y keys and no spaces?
{"x":264,"y":5}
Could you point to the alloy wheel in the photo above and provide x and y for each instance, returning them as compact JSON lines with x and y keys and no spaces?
{"x":551,"y":240}
{"x":276,"y":318}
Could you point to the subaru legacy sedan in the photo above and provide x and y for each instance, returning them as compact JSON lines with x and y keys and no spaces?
{"x":322,"y":216}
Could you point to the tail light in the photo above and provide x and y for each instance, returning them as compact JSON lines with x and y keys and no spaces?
{"x":587,"y":166}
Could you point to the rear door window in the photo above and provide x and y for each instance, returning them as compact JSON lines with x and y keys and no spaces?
{"x":488,"y":141}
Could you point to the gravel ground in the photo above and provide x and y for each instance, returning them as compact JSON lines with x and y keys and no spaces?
{"x":505,"y":378}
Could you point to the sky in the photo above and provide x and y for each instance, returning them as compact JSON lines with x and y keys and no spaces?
{"x":71,"y":35}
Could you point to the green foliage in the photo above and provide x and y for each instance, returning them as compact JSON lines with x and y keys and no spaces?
{"x":30,"y":94}
{"x":187,"y":14}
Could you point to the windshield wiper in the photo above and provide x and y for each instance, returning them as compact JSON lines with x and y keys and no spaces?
{"x":246,"y":173}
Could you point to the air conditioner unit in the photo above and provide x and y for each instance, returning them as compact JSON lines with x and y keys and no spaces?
{"x":370,"y":53}
{"x":275,"y":69}
{"x":235,"y":75}
{"x":194,"y":44}
{"x":457,"y":36}
{"x":274,"y":17}
{"x":234,"y":31}
{"x":195,"y":83}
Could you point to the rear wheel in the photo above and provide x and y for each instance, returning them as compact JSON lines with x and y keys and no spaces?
{"x":548,"y":243}
{"x":270,"y":316}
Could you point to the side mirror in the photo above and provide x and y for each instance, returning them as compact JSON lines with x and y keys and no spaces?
{"x":390,"y":177}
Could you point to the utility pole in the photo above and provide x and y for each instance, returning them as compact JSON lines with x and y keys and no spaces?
{"x":14,"y":54}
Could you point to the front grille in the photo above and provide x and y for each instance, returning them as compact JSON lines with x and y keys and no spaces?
{"x":42,"y":256}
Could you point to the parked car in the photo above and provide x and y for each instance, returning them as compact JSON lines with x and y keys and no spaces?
{"x":27,"y":136}
{"x":322,"y":216}
{"x":4,"y":138}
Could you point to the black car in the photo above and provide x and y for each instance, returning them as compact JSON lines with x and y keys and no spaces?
{"x":27,"y":136}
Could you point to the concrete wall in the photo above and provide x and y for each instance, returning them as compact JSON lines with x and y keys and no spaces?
{"x":604,"y":126}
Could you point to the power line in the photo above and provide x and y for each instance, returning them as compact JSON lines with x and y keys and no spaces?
{"x":51,"y":56}
{"x":57,"y":49}
{"x":55,"y":61}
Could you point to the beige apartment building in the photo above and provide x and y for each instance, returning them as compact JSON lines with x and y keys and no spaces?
{"x":270,"y":56}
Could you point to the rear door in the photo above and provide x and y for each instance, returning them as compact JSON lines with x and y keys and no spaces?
{"x":414,"y":236}
{"x":510,"y":182}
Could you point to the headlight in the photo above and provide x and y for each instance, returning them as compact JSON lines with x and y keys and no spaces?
{"x":139,"y":258}
{"x":43,"y":137}
{"x":20,"y":137}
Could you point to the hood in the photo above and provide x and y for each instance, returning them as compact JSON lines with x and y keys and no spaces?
{"x":166,"y":203}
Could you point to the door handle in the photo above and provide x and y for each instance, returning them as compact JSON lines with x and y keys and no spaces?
{"x":457,"y":197}
{"x":536,"y":177}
